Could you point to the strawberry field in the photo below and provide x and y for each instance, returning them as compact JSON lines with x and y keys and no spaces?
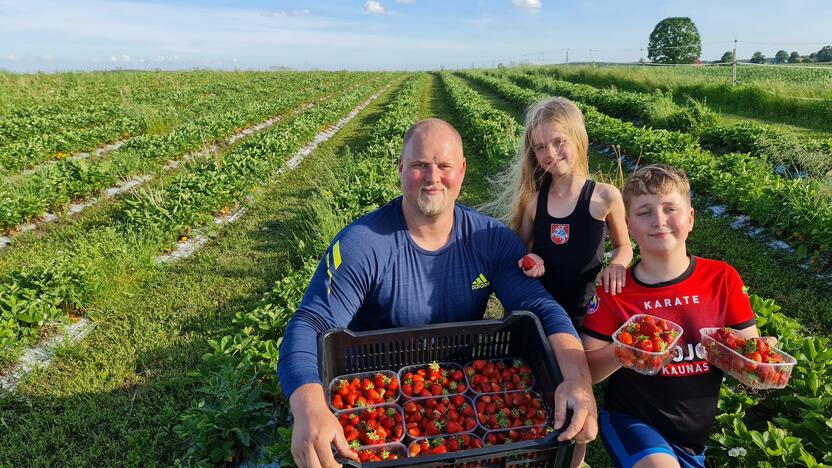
{"x":178,"y":364}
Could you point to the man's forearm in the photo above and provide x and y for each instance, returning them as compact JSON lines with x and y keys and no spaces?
{"x":569,"y":353}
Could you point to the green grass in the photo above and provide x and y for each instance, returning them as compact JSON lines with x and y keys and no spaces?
{"x":114,"y":398}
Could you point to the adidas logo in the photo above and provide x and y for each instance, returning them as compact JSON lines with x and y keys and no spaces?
{"x":480,"y":282}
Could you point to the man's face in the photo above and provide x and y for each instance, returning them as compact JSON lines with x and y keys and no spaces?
{"x":431,"y":170}
{"x":660,"y":224}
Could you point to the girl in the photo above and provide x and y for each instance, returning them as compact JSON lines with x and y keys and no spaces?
{"x":561,"y":215}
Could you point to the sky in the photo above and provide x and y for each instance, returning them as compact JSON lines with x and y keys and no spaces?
{"x":39,"y":35}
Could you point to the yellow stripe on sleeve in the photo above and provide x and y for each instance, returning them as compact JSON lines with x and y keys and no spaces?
{"x":336,"y":254}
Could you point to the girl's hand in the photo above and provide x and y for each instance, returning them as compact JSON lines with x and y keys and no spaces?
{"x":613,"y":278}
{"x":532,"y":265}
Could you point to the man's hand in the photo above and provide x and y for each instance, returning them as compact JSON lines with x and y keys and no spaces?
{"x":316,"y":430}
{"x":532,"y":265}
{"x":579,"y":398}
{"x":613,"y":278}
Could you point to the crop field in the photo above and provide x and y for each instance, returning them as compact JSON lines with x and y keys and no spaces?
{"x":784,"y":95}
{"x":106,"y":177}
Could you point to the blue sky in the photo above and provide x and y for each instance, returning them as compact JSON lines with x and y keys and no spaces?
{"x":381,"y":34}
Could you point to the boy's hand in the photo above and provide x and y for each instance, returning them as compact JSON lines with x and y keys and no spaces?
{"x":532,"y":265}
{"x":613,"y":278}
{"x":316,"y":430}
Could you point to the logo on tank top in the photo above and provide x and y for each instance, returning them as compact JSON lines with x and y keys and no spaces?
{"x":560,"y":233}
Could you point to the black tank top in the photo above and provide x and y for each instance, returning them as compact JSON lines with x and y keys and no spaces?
{"x":572,"y":249}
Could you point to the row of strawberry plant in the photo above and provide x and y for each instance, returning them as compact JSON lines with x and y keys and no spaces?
{"x":239,"y":396}
{"x":492,"y":131}
{"x":658,"y":110}
{"x":193,"y":196}
{"x":55,"y":185}
{"x":799,"y":411}
{"x":746,"y":184}
{"x":35,"y":296}
{"x":81,"y":112}
{"x":156,"y":216}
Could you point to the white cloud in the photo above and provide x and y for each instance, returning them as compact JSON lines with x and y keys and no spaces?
{"x":12,"y":57}
{"x":114,"y":58}
{"x":125,"y":57}
{"x":373,"y":7}
{"x":531,"y":5}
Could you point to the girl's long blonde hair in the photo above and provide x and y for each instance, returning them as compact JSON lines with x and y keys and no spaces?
{"x":524,"y":177}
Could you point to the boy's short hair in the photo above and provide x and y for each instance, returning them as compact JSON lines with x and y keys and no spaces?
{"x":655,"y":179}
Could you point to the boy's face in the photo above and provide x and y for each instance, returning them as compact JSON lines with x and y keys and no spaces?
{"x":660,"y":224}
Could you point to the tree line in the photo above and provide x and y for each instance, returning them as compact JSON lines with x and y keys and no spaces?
{"x":677,"y":40}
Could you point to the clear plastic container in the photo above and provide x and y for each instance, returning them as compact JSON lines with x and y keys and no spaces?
{"x":362,"y":426}
{"x":639,"y":360}
{"x":421,"y":410}
{"x":384,"y":452}
{"x":521,"y":400}
{"x":334,"y":385}
{"x":451,"y":367}
{"x":754,"y":374}
{"x":527,"y":381}
{"x":423,"y":446}
{"x":519,"y":434}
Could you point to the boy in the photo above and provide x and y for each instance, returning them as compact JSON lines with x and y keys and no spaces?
{"x":663,"y":420}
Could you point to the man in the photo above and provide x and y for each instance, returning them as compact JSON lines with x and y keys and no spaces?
{"x":419,"y":259}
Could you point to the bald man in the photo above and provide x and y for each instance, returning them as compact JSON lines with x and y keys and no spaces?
{"x":415,"y":261}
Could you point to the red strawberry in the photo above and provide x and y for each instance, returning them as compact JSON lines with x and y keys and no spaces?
{"x":528,"y":263}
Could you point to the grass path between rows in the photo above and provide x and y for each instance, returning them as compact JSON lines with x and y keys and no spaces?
{"x":114,"y":398}
{"x":796,"y":130}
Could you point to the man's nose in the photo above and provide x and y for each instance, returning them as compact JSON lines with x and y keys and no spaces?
{"x":432,"y":174}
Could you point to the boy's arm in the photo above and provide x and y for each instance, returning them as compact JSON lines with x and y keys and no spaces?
{"x":599,"y":355}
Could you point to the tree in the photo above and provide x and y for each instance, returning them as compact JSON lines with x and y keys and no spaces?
{"x":674,"y":40}
{"x":781,"y":56}
{"x":758,"y":57}
{"x":727,"y":57}
{"x":825,"y":54}
{"x":794,"y":57}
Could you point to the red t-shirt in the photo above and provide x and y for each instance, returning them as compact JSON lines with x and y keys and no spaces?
{"x":680,"y":401}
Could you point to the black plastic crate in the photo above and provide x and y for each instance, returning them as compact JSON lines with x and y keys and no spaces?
{"x":520,"y":335}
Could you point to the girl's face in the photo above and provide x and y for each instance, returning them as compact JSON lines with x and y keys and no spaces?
{"x":554,"y":153}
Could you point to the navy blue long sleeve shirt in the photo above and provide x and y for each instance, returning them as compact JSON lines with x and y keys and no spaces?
{"x":375,"y":276}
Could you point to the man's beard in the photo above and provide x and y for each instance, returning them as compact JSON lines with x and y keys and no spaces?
{"x":432,"y":206}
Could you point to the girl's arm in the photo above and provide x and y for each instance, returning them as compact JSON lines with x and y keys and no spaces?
{"x":526,"y":228}
{"x":526,"y":233}
{"x":599,"y":356}
{"x":613,"y":278}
